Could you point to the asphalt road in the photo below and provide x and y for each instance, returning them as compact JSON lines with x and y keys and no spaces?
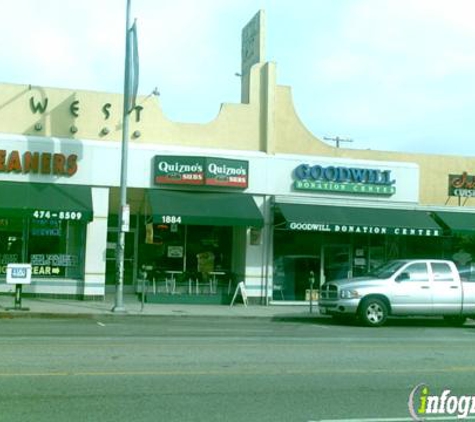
{"x":225,"y":369}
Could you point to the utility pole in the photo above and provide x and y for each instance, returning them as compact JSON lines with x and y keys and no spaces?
{"x":337,"y":140}
{"x":124,"y":211}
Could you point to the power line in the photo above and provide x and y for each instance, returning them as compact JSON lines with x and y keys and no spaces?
{"x":337,"y":140}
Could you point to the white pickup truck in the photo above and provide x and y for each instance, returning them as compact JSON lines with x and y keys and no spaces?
{"x":425,"y":287}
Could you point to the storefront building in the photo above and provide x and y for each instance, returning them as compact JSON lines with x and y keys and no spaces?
{"x":252,"y":196}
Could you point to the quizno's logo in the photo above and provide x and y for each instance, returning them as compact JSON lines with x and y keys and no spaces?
{"x":422,"y":404}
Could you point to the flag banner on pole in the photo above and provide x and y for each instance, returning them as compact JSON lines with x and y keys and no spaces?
{"x":133,"y":66}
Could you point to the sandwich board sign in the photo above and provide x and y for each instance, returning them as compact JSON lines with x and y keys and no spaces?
{"x":18,"y":274}
{"x":240,"y":288}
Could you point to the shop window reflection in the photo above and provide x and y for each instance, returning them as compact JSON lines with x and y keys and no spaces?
{"x":187,"y":251}
{"x":11,"y":243}
{"x":55,"y":248}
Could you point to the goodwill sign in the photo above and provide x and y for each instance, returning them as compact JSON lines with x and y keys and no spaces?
{"x":340,"y":179}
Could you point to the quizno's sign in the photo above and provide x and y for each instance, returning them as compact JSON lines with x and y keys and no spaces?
{"x":208,"y":171}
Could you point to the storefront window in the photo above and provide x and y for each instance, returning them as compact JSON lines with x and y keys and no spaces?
{"x":55,"y":248}
{"x":177,"y":247}
{"x":463,"y":254}
{"x":186,"y":251}
{"x":296,"y":255}
{"x":11,"y":242}
{"x":339,"y":255}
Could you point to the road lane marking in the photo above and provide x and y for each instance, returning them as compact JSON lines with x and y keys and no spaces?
{"x":404,"y":419}
{"x":229,"y":371}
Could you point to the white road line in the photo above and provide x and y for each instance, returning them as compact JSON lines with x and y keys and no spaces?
{"x":428,"y":419}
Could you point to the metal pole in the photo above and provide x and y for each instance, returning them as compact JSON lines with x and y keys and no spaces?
{"x":119,"y":297}
{"x":144,"y":276}
{"x":268,"y":238}
{"x":311,"y":279}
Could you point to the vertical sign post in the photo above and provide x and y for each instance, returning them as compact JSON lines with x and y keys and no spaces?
{"x":18,"y":274}
{"x":130,"y":94}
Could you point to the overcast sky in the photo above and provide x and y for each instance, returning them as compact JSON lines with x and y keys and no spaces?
{"x":389,"y":74}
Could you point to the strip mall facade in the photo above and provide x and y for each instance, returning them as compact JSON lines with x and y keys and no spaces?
{"x":254,"y":188}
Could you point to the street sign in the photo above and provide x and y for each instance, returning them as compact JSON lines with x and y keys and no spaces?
{"x":18,"y":274}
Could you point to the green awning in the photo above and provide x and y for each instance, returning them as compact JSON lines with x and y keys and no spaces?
{"x":203,"y":208}
{"x":45,"y":201}
{"x":457,"y":222}
{"x":359,"y":220}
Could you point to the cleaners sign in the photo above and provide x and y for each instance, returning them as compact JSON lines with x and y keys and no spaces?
{"x":208,"y":171}
{"x":351,"y":180}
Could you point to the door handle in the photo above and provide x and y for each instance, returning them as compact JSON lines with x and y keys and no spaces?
{"x":425,"y":287}
{"x":454,"y":287}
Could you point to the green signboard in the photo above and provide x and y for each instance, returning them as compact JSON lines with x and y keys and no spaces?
{"x":349,"y":180}
{"x":225,"y":172}
{"x":172,"y":170}
{"x":204,"y":171}
{"x":363,"y":229}
{"x":356,"y":188}
{"x":462,"y":185}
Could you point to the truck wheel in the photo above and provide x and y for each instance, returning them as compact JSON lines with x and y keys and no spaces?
{"x":455,"y":320}
{"x":373,"y":312}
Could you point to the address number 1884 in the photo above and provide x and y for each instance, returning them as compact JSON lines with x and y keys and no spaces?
{"x":171,"y":219}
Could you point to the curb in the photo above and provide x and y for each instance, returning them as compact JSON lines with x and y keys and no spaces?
{"x":68,"y":315}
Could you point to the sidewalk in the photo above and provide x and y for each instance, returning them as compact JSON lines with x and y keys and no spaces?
{"x":54,"y":308}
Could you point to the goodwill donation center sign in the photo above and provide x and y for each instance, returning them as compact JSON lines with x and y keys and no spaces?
{"x":341,"y":179}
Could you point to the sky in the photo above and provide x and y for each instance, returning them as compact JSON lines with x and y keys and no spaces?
{"x":393,"y":75}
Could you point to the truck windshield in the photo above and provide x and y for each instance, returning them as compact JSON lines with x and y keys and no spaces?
{"x":386,"y":270}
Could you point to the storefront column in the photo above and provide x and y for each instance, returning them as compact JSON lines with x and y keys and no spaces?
{"x":256,"y":252}
{"x":96,"y":244}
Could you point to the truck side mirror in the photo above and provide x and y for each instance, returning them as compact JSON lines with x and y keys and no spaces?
{"x":402,"y":277}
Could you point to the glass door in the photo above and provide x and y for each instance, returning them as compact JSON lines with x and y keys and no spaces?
{"x":336,"y":262}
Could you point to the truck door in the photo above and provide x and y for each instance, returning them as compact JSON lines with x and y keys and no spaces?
{"x":411,"y":292}
{"x":446,"y":290}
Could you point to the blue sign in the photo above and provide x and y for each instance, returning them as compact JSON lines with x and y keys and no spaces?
{"x":19,"y":273}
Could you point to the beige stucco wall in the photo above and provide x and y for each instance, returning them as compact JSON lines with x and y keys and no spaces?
{"x":267,"y":123}
{"x":235,"y":127}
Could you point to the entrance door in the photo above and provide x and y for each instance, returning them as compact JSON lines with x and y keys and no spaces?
{"x":336,"y":262}
{"x":130,"y":253}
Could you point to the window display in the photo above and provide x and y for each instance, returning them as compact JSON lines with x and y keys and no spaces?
{"x":11,"y":243}
{"x":186,"y":259}
{"x":55,"y":248}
